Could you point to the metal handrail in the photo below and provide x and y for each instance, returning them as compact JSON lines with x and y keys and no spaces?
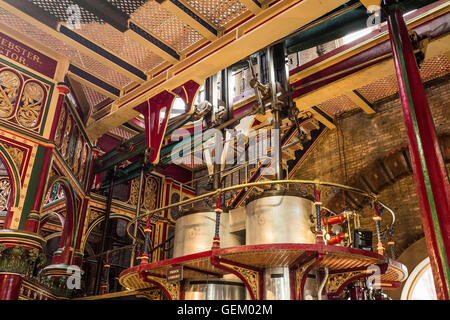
{"x":151,"y":213}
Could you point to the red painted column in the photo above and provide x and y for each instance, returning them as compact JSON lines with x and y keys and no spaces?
{"x":78,"y":259}
{"x":156,"y":112}
{"x":63,"y":90}
{"x":10,"y":286}
{"x":430,"y":175}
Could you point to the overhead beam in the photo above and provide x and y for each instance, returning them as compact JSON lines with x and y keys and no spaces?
{"x":323,"y":117}
{"x":94,"y":81}
{"x":122,"y":22}
{"x":42,"y":20}
{"x":365,"y":43}
{"x":372,"y":4}
{"x":425,"y":22}
{"x":107,"y":12}
{"x":192,"y":18}
{"x":148,"y":39}
{"x":360,"y":101}
{"x":255,"y":34}
{"x":100,"y":53}
{"x":253,"y":5}
{"x":364,"y":77}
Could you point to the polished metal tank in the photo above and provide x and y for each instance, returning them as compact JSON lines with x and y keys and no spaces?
{"x":276,"y":283}
{"x":278,"y":216}
{"x":194,"y":232}
{"x":214,"y":290}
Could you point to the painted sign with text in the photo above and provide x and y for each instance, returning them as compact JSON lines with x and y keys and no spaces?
{"x":174,"y":274}
{"x":27,"y":56}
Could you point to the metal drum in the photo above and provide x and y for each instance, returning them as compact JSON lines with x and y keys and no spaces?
{"x":279,"y":217}
{"x":214,"y":290}
{"x":194,"y":232}
{"x":276,"y":283}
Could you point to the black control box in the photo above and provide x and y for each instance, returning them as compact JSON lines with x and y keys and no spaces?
{"x":362,"y":239}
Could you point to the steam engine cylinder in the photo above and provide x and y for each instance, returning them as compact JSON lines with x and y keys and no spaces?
{"x":194,"y":232}
{"x":279,"y":217}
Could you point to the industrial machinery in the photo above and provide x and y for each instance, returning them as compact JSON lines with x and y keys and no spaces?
{"x":294,"y":247}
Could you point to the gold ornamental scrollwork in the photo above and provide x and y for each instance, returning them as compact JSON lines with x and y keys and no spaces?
{"x":251,"y":276}
{"x":78,"y":150}
{"x":83,"y":162}
{"x":9,"y":91}
{"x":154,"y":294}
{"x":336,"y":280}
{"x":93,"y":215}
{"x":150,"y":193}
{"x":60,"y":129}
{"x":31,"y":105}
{"x":134,"y":191}
{"x":5,"y":189}
{"x":173,"y":288}
{"x":66,"y":138}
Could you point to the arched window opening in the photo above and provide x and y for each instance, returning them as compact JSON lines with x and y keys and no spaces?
{"x":118,"y":259}
{"x":420,"y":284}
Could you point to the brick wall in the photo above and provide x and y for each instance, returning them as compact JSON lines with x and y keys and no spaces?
{"x":364,"y":139}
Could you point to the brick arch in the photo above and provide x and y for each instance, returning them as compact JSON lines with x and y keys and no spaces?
{"x":380,"y":175}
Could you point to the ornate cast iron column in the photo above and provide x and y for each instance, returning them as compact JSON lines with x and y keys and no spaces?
{"x":20,"y":254}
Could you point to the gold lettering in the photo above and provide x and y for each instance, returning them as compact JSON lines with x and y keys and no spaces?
{"x":22,"y":60}
{"x":14,"y":56}
{"x":36,"y":58}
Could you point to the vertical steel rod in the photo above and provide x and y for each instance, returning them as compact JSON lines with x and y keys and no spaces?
{"x":273,"y":53}
{"x":105,"y":231}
